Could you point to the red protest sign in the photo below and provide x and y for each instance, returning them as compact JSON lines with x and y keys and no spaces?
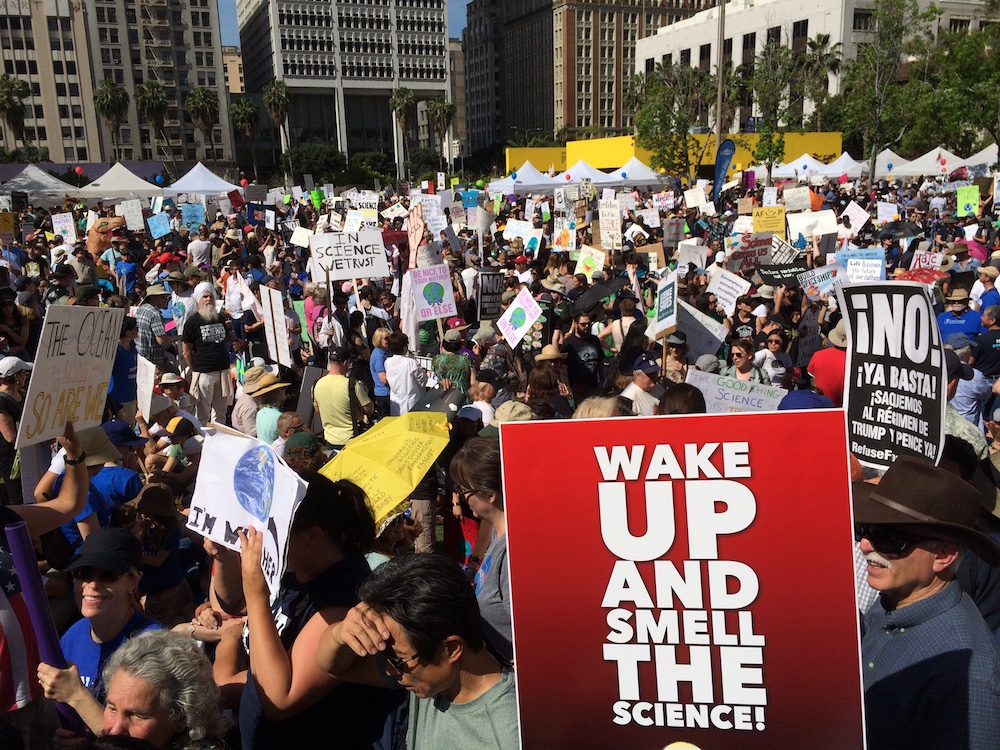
{"x":703,"y":589}
{"x":236,"y":199}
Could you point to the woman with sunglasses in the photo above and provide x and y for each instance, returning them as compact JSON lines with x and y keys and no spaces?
{"x":105,"y":576}
{"x":743,"y":368}
{"x":285,"y":700}
{"x":773,"y":359}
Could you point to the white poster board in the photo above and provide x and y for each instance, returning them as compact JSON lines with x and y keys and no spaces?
{"x":433,"y":292}
{"x":63,"y":224}
{"x":727,"y":287}
{"x":69,"y":382}
{"x":350,"y":255}
{"x":590,"y":260}
{"x":726,"y":395}
{"x":520,"y":316}
{"x":275,"y":329}
{"x":145,"y":380}
{"x":132,"y":211}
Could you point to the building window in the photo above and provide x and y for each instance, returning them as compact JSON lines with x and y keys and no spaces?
{"x":863,"y":21}
{"x":650,"y":64}
{"x":959,"y":25}
{"x":686,"y":57}
{"x":774,"y":35}
{"x":800,"y":29}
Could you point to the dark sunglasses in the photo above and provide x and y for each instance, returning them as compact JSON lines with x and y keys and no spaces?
{"x":95,"y":574}
{"x":885,"y":539}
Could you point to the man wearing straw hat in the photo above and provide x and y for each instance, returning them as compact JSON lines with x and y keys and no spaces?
{"x":153,"y":337}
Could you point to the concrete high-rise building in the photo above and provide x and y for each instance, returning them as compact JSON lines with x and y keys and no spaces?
{"x":482,"y":41}
{"x":45,"y":44}
{"x":456,"y":74}
{"x":341,"y":61}
{"x":232,"y":69}
{"x":175,"y":42}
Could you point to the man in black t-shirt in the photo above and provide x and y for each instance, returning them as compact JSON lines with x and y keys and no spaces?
{"x":585,"y":363}
{"x":205,"y":340}
{"x":986,"y":354}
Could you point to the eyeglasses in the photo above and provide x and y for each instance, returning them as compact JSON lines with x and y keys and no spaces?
{"x":464,"y":494}
{"x":774,"y":341}
{"x":885,"y":539}
{"x":739,"y":355}
{"x":399,"y":664}
{"x":95,"y":574}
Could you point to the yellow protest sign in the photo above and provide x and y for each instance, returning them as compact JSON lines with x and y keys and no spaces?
{"x":770,"y":219}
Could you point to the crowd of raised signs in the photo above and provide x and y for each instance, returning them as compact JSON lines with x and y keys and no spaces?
{"x":492,"y":308}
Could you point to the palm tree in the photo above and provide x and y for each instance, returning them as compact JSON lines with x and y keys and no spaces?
{"x":111,"y":101}
{"x":246,"y":119}
{"x":152,"y":105}
{"x":820,"y":59}
{"x":277,"y":101}
{"x":402,"y":102}
{"x":203,"y":106}
{"x":440,"y":112}
{"x":13,"y":92}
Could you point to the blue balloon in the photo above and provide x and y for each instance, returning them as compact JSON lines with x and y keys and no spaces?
{"x":805,"y":166}
{"x":889,"y":165}
{"x":624,"y":174}
{"x":513,"y":175}
{"x":159,"y":179}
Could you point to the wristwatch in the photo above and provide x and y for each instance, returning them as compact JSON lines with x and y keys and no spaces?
{"x":79,"y":460}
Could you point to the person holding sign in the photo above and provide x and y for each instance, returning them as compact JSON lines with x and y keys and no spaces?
{"x":13,"y":383}
{"x":287,"y":701}
{"x":930,"y":662}
{"x":743,"y":367}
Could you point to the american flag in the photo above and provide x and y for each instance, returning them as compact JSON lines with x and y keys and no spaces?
{"x":18,"y":646}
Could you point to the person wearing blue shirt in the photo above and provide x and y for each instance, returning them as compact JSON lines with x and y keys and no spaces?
{"x":958,"y":318}
{"x":127,"y":271}
{"x":123,"y":387}
{"x":990,"y":295}
{"x":380,"y":353}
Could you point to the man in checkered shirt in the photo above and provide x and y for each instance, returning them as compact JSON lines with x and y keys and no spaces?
{"x":930,"y":663}
{"x":153,"y":337}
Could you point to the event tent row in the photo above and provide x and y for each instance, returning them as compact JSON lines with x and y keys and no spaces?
{"x":888,"y":164}
{"x":528,"y":179}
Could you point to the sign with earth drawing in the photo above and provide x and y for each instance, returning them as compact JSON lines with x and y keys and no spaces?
{"x":433,"y":293}
{"x":242,"y":483}
{"x":520,"y":316}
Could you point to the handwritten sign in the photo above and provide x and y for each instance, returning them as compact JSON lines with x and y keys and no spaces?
{"x":349,"y":255}
{"x":726,"y":395}
{"x":72,"y":369}
{"x":749,"y":251}
{"x":520,"y":316}
{"x":820,"y":281}
{"x":132,"y":211}
{"x":727,"y":287}
{"x":591,"y":259}
{"x":433,"y":292}
{"x":145,"y":379}
{"x":611,"y":222}
{"x":797,"y":199}
{"x":63,"y":225}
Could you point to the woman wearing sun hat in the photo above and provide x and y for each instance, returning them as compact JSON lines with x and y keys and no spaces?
{"x":13,"y":384}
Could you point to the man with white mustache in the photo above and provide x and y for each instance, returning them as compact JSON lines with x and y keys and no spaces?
{"x":930,"y":663}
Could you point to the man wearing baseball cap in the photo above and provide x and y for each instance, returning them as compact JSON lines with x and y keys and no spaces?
{"x":644,"y":391}
{"x":60,"y":283}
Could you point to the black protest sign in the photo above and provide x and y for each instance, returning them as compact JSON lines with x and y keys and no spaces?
{"x":895,"y":391}
{"x":783,"y":274}
{"x":490,"y":289}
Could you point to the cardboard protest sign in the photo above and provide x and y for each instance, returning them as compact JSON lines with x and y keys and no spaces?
{"x":488,"y":298}
{"x":591,"y":259}
{"x":726,"y":395}
{"x":783,"y":275}
{"x":750,"y":250}
{"x":695,"y":197}
{"x":395,"y":211}
{"x":300,"y":237}
{"x":783,"y":253}
{"x":797,"y":199}
{"x":819,"y":281}
{"x":923,"y":259}
{"x":518,"y":228}
{"x":885,"y":212}
{"x":673,"y":231}
{"x":433,"y":292}
{"x":69,"y":382}
{"x":564,"y":235}
{"x":275,"y":330}
{"x":770,"y":219}
{"x":243,"y":483}
{"x":727,"y":287}
{"x":63,"y":225}
{"x":655,"y":257}
{"x":235,"y":199}
{"x":967,"y":200}
{"x":895,"y":380}
{"x":704,"y":333}
{"x":350,"y":255}
{"x":858,"y":216}
{"x":666,"y":306}
{"x":6,"y":227}
{"x":770,"y":196}
{"x":626,"y":201}
{"x":520,"y":316}
{"x":708,"y":208}
{"x":692,"y":252}
{"x":145,"y":380}
{"x":681,"y":624}
{"x":869,"y":253}
{"x":809,"y":223}
{"x":192,"y":214}
{"x":744,"y":206}
{"x":860,"y":270}
{"x":132,"y":211}
{"x":611,"y":224}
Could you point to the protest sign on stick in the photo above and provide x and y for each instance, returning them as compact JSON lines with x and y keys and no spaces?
{"x":666,"y":306}
{"x":488,"y":298}
{"x":347,"y":255}
{"x":275,"y":329}
{"x":894,"y":397}
{"x":727,"y":287}
{"x":520,"y":316}
{"x":725,"y":395}
{"x":750,"y":250}
{"x":681,"y":627}
{"x":242,"y":483}
{"x":69,"y":382}
{"x":433,"y":292}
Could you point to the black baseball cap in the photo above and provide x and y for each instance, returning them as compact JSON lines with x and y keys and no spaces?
{"x":108,"y":548}
{"x":339,"y":354}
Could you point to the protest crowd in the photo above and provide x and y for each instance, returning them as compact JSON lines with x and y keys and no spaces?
{"x":312,"y":326}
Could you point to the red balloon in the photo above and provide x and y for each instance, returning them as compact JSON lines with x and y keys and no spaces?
{"x":943,"y":160}
{"x":78,"y":170}
{"x":569,"y":177}
{"x":244,"y":182}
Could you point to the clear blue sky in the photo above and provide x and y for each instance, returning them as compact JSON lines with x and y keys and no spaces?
{"x":231,"y":33}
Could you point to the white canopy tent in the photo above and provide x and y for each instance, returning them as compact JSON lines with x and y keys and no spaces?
{"x":843,"y":164}
{"x":200,"y":180}
{"x":583,"y":171}
{"x":38,"y":184}
{"x":119,"y":182}
{"x":987,"y":157}
{"x":887,"y":162}
{"x":929,"y":165}
{"x":634,"y":173}
{"x":528,"y":180}
{"x":802,"y":168}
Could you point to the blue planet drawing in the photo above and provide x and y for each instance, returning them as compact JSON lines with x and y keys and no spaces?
{"x":517,"y":318}
{"x":434,"y":293}
{"x":253,"y":481}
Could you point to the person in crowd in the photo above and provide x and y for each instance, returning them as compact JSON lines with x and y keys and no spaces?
{"x":244,"y":415}
{"x":380,"y":380}
{"x":205,"y":344}
{"x":153,"y":338}
{"x":172,"y":386}
{"x":269,"y":393}
{"x":123,"y":375}
{"x":743,"y":367}
{"x":452,"y":369}
{"x":419,"y":622}
{"x":958,"y":317}
{"x":407,"y":380}
{"x":288,"y":424}
{"x":304,"y":453}
{"x":645,"y":390}
{"x":13,"y":387}
{"x":827,"y":366}
{"x":773,"y":360}
{"x":340,"y":400}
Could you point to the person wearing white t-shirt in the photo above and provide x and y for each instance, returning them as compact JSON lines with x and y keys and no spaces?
{"x":645,"y":390}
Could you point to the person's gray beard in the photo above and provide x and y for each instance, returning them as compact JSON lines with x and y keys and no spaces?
{"x":209,"y":313}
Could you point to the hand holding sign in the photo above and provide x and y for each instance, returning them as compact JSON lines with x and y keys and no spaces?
{"x":99,"y":235}
{"x":251,"y":554}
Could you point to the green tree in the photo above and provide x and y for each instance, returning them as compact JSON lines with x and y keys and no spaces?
{"x":13,"y":92}
{"x":151,"y":104}
{"x":246,"y":120}
{"x":202,"y":105}
{"x":676,"y":100}
{"x":440,"y":113}
{"x":277,"y":101}
{"x":403,"y":104}
{"x":368,"y":165}
{"x":423,"y":163}
{"x":111,"y":101}
{"x":818,"y":62}
{"x":322,"y":160}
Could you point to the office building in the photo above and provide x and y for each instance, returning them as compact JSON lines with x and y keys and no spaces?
{"x":232,"y":69}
